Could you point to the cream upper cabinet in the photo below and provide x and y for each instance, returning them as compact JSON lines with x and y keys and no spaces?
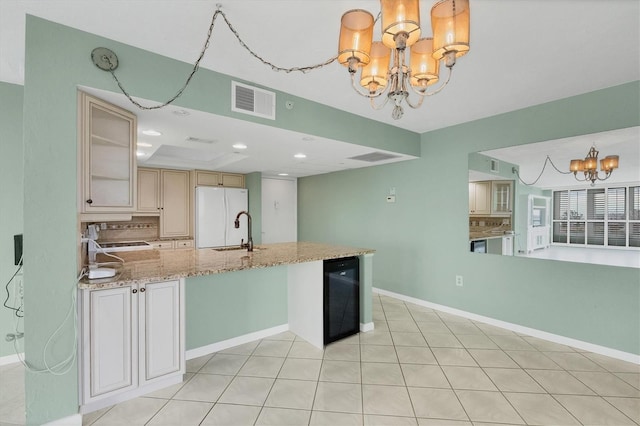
{"x":175,"y":203}
{"x":205,"y":178}
{"x":232,"y":180}
{"x":501,"y":197}
{"x":149,"y":191}
{"x":107,"y":136}
{"x":208,"y":178}
{"x":480,"y":198}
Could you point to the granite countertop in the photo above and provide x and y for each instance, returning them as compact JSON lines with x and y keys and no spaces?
{"x":487,"y":235}
{"x":158,"y":265}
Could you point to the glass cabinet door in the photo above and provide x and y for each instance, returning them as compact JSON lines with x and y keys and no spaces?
{"x":501,"y":197}
{"x":109,"y":158}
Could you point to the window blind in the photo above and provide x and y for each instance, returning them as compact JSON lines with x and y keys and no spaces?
{"x":597,"y":216}
{"x":634,"y":203}
{"x":595,"y":204}
{"x":616,"y":204}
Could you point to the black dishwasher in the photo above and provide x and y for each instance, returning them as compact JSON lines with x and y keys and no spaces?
{"x":341,"y":298}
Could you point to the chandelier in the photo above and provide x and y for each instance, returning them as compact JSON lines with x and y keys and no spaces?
{"x":589,"y":166}
{"x":384,"y":65}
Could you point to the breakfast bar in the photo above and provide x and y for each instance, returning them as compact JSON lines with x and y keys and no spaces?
{"x":180,"y":304}
{"x":140,"y":267}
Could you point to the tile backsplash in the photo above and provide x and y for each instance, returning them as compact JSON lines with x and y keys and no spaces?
{"x":138,"y":228}
{"x":486,"y":223}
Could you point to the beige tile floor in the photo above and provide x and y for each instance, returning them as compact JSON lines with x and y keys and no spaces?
{"x":419,"y":367}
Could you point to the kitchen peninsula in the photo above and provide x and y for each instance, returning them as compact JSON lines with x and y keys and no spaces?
{"x":184,"y":303}
{"x":159,"y":265}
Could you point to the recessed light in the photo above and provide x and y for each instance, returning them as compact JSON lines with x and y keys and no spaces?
{"x":239,"y":146}
{"x":151,"y":132}
{"x":140,"y":154}
{"x":300,"y":156}
{"x":144,"y":145}
{"x":181,"y":112}
{"x":283,"y":174}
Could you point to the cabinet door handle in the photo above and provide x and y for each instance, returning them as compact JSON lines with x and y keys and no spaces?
{"x":134,"y":291}
{"x":89,"y":201}
{"x":142,"y":290}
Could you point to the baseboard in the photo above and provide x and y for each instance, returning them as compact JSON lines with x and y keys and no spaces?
{"x":134,"y":393}
{"x":364,"y":327}
{"x":10,"y":359}
{"x":240,"y":340}
{"x":75,"y":420}
{"x":602,"y":350}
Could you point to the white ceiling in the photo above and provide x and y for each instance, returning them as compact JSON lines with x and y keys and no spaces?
{"x":523,"y":52}
{"x":270,"y":150}
{"x":531,"y":158}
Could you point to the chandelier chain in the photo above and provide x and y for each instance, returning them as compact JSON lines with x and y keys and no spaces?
{"x":547,"y":160}
{"x":196,"y":65}
{"x":304,"y":69}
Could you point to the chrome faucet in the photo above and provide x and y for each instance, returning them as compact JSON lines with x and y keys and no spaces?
{"x":249,"y":244}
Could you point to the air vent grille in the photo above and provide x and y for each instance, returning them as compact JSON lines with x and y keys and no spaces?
{"x":244,"y":98}
{"x":251,"y":100}
{"x":200,"y":140}
{"x":374,"y":157}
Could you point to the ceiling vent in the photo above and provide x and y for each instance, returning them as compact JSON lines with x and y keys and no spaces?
{"x":494,"y":166}
{"x":200,"y":140}
{"x":253,"y":101}
{"x":374,"y":157}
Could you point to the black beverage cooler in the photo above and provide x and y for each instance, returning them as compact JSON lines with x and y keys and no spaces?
{"x":341,"y":298}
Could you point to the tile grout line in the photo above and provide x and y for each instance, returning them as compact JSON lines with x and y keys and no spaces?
{"x":395,"y":351}
{"x":466,"y":413}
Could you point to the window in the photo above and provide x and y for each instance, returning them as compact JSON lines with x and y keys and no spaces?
{"x":560,"y":212}
{"x":634,"y":216}
{"x":606,"y":217}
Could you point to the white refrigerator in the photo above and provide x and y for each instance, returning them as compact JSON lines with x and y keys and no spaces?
{"x":216,"y":210}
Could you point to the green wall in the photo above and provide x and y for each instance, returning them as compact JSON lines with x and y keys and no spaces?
{"x":224,"y":306}
{"x":253,"y":182}
{"x":422,"y":240}
{"x":11,"y":186}
{"x":419,"y":247}
{"x":57,"y":60}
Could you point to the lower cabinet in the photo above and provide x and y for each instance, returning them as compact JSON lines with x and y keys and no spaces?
{"x":132,"y":341}
{"x":172,"y":244}
{"x":537,"y":237}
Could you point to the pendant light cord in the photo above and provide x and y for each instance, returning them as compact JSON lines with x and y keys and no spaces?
{"x":196,"y":65}
{"x":547,"y":160}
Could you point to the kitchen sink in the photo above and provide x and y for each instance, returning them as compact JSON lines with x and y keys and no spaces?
{"x":236,"y":248}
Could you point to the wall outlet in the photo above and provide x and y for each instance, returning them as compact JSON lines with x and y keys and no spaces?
{"x":459,"y":281}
